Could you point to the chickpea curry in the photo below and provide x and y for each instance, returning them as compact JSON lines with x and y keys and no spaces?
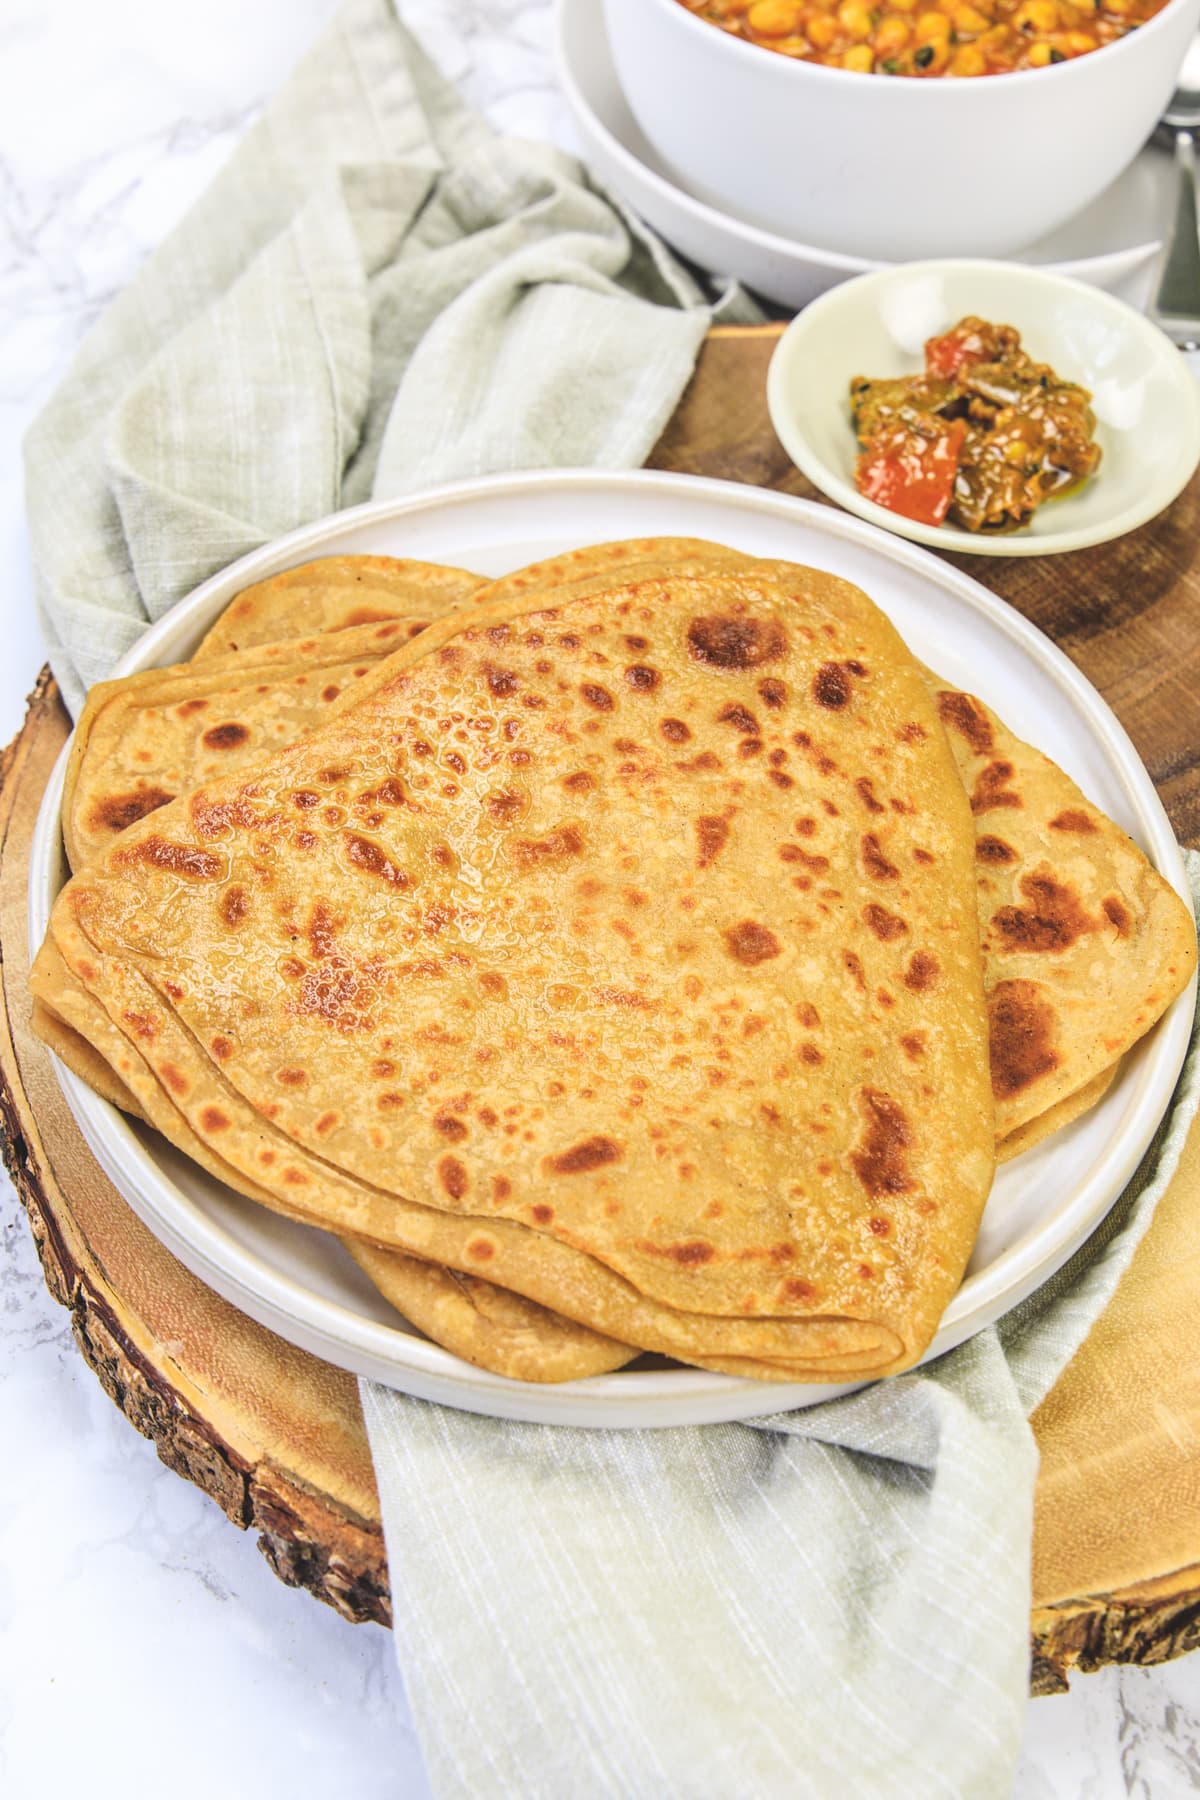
{"x":979,"y":439}
{"x":909,"y":37}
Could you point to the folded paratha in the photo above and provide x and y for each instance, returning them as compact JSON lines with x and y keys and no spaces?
{"x":1084,"y":944}
{"x":661,"y":850}
{"x":142,"y":740}
{"x":333,"y":594}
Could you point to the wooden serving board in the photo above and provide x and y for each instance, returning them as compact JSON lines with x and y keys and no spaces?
{"x":277,"y":1437}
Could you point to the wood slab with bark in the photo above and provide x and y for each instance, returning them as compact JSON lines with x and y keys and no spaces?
{"x":277,"y":1437}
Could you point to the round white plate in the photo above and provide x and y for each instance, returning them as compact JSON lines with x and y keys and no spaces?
{"x":1144,"y":394}
{"x":1109,"y":244}
{"x":299,"y":1281}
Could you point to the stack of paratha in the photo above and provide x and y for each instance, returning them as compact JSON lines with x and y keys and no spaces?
{"x":610,"y":963}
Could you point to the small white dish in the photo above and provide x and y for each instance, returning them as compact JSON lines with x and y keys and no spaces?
{"x":1110,"y":244}
{"x":1145,"y":397}
{"x":300,"y":1283}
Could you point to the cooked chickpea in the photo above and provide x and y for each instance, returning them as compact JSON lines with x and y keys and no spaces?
{"x":968,"y":59}
{"x":859,"y":58}
{"x":969,"y":19}
{"x":774,"y":18}
{"x":892,"y":35}
{"x":931,"y":57}
{"x":1036,"y":17}
{"x":1039,"y":55}
{"x":854,"y":19}
{"x":822,"y":30}
{"x":933,"y":26}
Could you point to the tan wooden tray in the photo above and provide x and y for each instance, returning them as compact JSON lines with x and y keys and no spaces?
{"x":277,"y":1437}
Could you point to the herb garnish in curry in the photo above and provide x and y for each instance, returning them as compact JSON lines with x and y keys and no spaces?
{"x":979,"y":439}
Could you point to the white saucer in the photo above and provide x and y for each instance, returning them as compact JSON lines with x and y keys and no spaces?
{"x":1109,"y":245}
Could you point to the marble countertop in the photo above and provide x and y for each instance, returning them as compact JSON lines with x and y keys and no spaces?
{"x":142,"y":1637}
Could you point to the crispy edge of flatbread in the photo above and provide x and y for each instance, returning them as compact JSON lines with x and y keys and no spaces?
{"x":490,"y":1327}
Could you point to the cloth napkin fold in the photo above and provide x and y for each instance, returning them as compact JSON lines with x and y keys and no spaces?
{"x":375,"y":295}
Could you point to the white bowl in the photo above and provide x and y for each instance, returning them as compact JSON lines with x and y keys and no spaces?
{"x":1110,"y":244}
{"x":1144,"y":395}
{"x":890,"y":167}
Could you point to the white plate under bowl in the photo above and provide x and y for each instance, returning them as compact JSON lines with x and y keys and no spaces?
{"x":1110,"y":244}
{"x":1144,"y":395}
{"x":301,"y":1284}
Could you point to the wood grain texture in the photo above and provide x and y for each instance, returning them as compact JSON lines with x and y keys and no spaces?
{"x":277,"y":1437}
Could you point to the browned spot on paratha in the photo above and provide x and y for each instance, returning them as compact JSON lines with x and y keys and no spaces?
{"x":712,"y":835}
{"x":557,"y":845}
{"x":965,"y":715}
{"x":230,"y":736}
{"x":751,"y":943}
{"x":1052,"y":921}
{"x":886,"y":926}
{"x":1118,"y":915}
{"x":922,"y":971}
{"x":724,"y":641}
{"x":875,"y":862}
{"x":740,"y":717}
{"x":991,"y":791}
{"x":831,"y":687}
{"x":501,"y":682}
{"x":504,"y":806}
{"x":116,"y":812}
{"x":593,"y":1153}
{"x":174,"y":1077}
{"x":1072,"y":818}
{"x":881,"y":1160}
{"x":234,"y":905}
{"x":866,"y":793}
{"x":1023,"y":1029}
{"x":453,"y":1176}
{"x":176,"y":859}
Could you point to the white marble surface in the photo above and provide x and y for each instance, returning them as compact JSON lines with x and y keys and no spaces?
{"x":143,"y":1641}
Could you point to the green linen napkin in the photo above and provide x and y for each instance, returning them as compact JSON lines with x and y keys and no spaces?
{"x":377,"y":294}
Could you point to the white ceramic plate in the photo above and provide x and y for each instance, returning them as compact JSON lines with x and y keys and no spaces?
{"x":1109,"y":245}
{"x":1144,"y":395}
{"x":301,"y":1284}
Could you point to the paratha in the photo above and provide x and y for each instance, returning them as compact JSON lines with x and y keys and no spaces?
{"x":497,"y":1331}
{"x":143,"y":740}
{"x":335,"y":593}
{"x":761,"y":683}
{"x":1084,"y":944}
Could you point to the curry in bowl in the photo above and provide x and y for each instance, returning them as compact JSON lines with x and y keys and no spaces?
{"x":907,"y":37}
